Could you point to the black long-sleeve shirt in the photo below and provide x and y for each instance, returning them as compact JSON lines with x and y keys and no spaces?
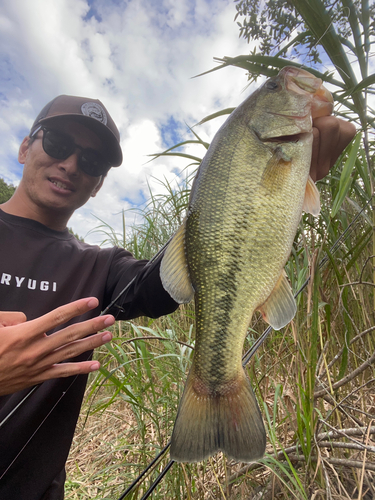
{"x":41,"y":269}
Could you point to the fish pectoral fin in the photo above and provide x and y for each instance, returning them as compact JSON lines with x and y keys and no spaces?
{"x":174,"y":271}
{"x":280,"y":307}
{"x":311,"y":203}
{"x":277,"y":169}
{"x":208,"y":421}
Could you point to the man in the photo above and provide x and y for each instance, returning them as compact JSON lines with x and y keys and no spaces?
{"x":71,"y":146}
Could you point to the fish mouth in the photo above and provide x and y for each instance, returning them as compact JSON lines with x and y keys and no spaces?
{"x":288,"y":138}
{"x":292,"y":117}
{"x":302,"y":82}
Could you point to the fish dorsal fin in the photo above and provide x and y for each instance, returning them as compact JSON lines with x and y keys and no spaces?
{"x":280,"y":307}
{"x":174,"y":271}
{"x":311,"y":203}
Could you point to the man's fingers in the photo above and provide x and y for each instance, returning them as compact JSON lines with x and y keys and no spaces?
{"x":335,"y":135}
{"x":30,"y":357}
{"x":78,"y":331}
{"x":51,"y":366}
{"x":61,"y":315}
{"x":55,"y":371}
{"x":347,"y":132}
{"x":67,"y":370}
{"x":10,"y":318}
{"x":78,"y":347}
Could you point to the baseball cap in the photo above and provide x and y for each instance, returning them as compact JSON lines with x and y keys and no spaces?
{"x":91,"y":113}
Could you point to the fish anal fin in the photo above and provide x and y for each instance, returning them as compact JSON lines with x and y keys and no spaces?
{"x":174,"y":271}
{"x":209,"y":421}
{"x":311,"y":203}
{"x":280,"y":307}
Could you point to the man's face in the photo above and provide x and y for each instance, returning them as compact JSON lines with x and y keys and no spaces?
{"x":58,"y":186}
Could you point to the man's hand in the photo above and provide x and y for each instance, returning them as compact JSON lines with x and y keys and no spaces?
{"x":331,"y":136}
{"x":28,"y":356}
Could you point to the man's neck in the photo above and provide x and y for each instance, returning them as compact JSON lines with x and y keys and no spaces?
{"x":17,"y":206}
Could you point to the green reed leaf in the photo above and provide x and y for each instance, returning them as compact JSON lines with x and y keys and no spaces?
{"x":345,"y":178}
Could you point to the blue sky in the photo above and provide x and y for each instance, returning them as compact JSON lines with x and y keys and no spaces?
{"x":138,"y":57}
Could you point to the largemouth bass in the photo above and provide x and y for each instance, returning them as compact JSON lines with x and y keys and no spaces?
{"x":244,"y":209}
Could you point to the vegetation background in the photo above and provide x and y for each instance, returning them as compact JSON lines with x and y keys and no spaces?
{"x":6,"y":191}
{"x":314,"y":380}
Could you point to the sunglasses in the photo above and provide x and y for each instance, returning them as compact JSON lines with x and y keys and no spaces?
{"x":61,"y":146}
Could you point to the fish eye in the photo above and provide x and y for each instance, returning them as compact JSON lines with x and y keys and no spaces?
{"x":270,"y":85}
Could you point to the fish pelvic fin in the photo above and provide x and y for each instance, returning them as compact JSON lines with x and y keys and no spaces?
{"x":174,"y":272}
{"x":280,"y":307}
{"x":209,"y":421}
{"x":311,"y":203}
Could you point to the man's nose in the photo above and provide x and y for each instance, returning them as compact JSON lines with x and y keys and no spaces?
{"x":70,"y":164}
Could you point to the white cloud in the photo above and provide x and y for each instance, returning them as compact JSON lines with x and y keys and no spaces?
{"x":139,"y":58}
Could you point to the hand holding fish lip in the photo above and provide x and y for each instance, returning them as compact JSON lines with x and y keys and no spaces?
{"x":28,"y":356}
{"x":331,"y":136}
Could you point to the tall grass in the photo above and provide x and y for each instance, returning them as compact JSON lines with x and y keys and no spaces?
{"x":158,"y":220}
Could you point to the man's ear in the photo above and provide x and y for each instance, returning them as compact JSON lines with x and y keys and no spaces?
{"x":97,"y":187}
{"x":22,"y":152}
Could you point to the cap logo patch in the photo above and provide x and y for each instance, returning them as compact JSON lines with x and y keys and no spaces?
{"x":94,"y":110}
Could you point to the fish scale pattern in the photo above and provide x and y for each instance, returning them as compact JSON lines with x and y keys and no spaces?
{"x":238,"y":262}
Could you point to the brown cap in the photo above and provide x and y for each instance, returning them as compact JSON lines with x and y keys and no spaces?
{"x":92,"y":114}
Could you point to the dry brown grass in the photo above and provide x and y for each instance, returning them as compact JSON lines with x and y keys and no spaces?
{"x":108,"y":453}
{"x":101,"y":443}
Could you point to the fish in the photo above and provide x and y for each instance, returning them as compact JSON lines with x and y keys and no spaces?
{"x":229,"y":254}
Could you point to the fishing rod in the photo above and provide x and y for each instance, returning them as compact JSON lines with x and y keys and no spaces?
{"x":247,"y":356}
{"x":136,"y":481}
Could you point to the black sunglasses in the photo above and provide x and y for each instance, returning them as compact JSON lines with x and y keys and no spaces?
{"x":61,"y":146}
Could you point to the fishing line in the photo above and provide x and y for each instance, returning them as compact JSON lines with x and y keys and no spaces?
{"x":33,"y":389}
{"x":39,"y":426}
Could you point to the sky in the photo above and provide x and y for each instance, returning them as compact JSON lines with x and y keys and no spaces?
{"x":139,"y":58}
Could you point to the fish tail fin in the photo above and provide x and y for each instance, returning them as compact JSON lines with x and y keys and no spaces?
{"x":229,"y":420}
